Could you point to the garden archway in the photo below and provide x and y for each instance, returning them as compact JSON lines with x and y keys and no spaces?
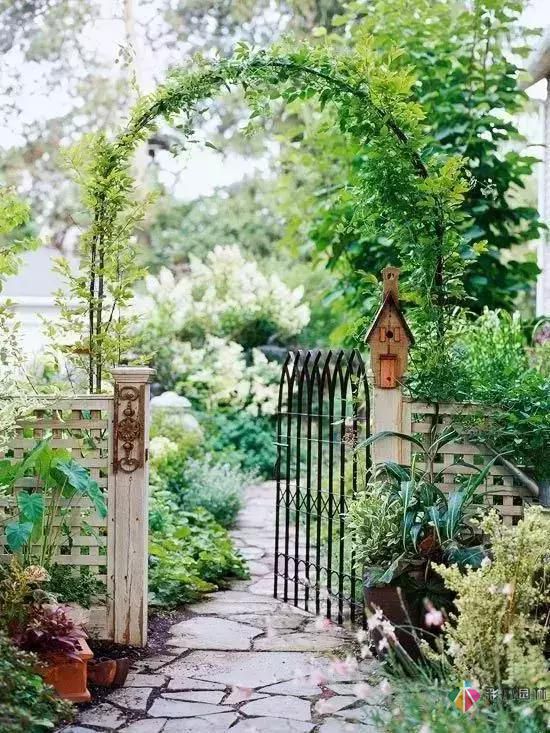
{"x":367,"y":104}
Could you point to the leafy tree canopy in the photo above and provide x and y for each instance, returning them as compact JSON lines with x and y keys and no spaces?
{"x":456,"y":60}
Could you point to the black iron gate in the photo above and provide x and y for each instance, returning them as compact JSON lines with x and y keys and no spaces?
{"x":323,"y":414}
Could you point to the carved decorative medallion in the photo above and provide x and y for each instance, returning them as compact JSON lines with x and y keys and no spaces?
{"x":129,"y":425}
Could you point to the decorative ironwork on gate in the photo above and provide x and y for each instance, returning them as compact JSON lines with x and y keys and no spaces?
{"x":323,"y":414}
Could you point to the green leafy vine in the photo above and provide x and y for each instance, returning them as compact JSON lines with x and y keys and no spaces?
{"x":409,"y":192}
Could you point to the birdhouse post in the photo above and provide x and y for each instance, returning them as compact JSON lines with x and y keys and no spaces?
{"x":389,"y":339}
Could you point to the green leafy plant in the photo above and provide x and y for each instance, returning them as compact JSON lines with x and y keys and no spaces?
{"x":403,"y":517}
{"x":35,"y":522}
{"x":409,"y":192}
{"x":190,"y":553}
{"x":74,"y":584}
{"x":498,"y":634}
{"x":26,"y":703}
{"x":250,"y":437}
{"x":208,"y":482}
{"x":466,"y":58}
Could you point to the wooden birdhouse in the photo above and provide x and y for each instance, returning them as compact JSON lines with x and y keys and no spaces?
{"x":389,"y":336}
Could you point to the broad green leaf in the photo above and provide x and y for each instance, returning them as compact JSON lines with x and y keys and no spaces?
{"x":71,"y":474}
{"x":36,"y":458}
{"x":391,"y":434}
{"x":31,"y":506}
{"x":18,"y":534}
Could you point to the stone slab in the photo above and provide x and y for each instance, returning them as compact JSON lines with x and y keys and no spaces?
{"x":279,"y":706}
{"x":209,"y":632}
{"x":211,"y":724}
{"x":187,"y":683}
{"x":145,"y":680}
{"x":318,"y":642}
{"x":103,"y":716}
{"x":147,"y":725}
{"x":296,"y":688}
{"x":242,"y":669}
{"x":272,"y":725}
{"x":133,"y":698}
{"x":163,"y":708}
{"x":212,"y":696}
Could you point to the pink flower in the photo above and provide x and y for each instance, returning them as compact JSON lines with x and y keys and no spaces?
{"x":362,"y":691}
{"x":344,"y":666}
{"x":323,"y":624}
{"x":433,"y":617}
{"x":318,"y":678}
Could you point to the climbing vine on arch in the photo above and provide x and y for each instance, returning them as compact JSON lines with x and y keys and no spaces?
{"x":408,"y":193}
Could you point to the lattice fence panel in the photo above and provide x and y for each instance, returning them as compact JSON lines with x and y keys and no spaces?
{"x":504,"y":492}
{"x":82,"y":425}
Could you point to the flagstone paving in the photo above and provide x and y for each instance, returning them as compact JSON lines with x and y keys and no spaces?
{"x":245,"y":662}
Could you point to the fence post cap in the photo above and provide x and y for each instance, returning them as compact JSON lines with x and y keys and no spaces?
{"x":133,"y":374}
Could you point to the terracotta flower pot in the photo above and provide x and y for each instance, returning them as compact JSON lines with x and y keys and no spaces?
{"x":68,"y":677}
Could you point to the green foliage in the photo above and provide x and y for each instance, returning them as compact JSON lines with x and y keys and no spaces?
{"x":74,"y":585}
{"x":241,"y":215}
{"x":425,"y":706}
{"x":498,"y":633}
{"x":250,"y":439}
{"x":205,"y":482}
{"x":190,"y":553}
{"x":26,"y":703}
{"x":408,"y":193}
{"x":516,"y":396}
{"x":41,"y":516}
{"x":466,"y":84}
{"x":403,"y":517}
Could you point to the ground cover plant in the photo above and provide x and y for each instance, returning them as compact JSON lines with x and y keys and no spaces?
{"x":26,"y":703}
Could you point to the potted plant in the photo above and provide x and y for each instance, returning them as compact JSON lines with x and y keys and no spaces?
{"x":402,"y":522}
{"x":60,"y":644}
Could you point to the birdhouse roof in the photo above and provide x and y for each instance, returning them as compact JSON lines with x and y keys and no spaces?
{"x":389,"y":301}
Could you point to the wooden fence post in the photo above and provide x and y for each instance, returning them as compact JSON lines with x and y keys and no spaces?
{"x":128,"y":508}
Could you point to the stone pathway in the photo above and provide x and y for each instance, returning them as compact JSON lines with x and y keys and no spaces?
{"x":245,"y":662}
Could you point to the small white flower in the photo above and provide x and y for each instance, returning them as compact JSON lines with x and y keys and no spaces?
{"x":507,"y":589}
{"x":486,"y":562}
{"x":507,"y":638}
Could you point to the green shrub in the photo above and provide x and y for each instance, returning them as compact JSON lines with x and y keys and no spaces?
{"x":74,"y":585}
{"x":216,"y":487}
{"x":190,"y":553}
{"x":498,"y":635}
{"x":206,"y":483}
{"x":251,"y":438}
{"x":26,"y":703}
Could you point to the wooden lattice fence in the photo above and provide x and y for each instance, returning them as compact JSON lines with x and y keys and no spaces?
{"x":503,"y":490}
{"x":107,"y":434}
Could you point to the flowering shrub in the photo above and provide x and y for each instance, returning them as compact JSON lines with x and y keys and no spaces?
{"x":230,"y":297}
{"x":497,"y":637}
